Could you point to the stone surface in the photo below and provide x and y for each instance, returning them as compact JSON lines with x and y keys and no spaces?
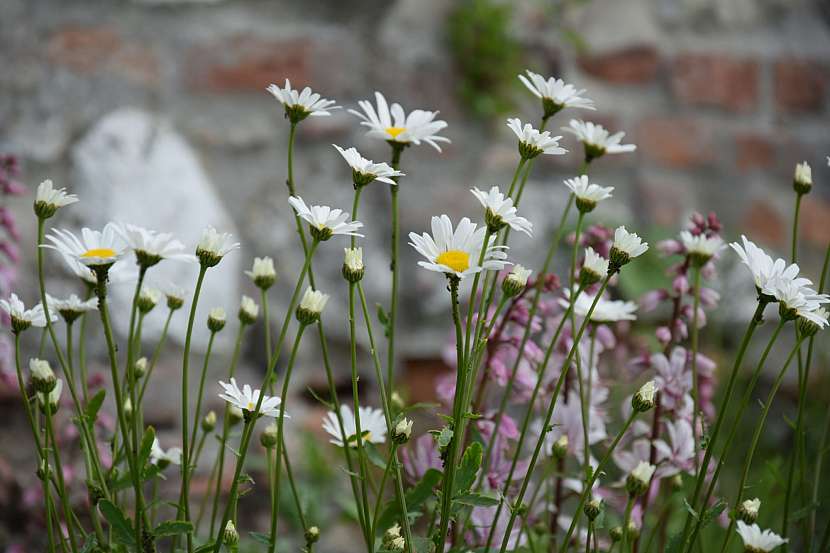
{"x":132,"y":166}
{"x":754,"y":152}
{"x":675,"y":142}
{"x":631,"y":65}
{"x":715,"y":80}
{"x":800,"y":85}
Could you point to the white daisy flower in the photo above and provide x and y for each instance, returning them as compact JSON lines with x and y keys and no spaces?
{"x":587,"y":195}
{"x":532,"y":142}
{"x":263,"y":273}
{"x":92,"y":249}
{"x":803,"y":178}
{"x":701,"y":248}
{"x":596,"y":139}
{"x":798,"y":301}
{"x":644,"y":471}
{"x":325,"y":221}
{"x":248,"y":310}
{"x":72,"y":307}
{"x":594,"y":264}
{"x":311,"y":306}
{"x":150,"y":247}
{"x":246,"y":399}
{"x":299,"y":105}
{"x":555,"y":93}
{"x":515,"y":283}
{"x":757,"y":541}
{"x":365,"y":170}
{"x":23,"y":318}
{"x":163,"y":458}
{"x":372,"y":426}
{"x":606,"y":311}
{"x":456,"y":253}
{"x":627,"y":246}
{"x":353,"y":268}
{"x":213,"y":246}
{"x":49,"y":199}
{"x":766,"y":272}
{"x":392,"y":124}
{"x":500,"y":211}
{"x":817,"y":317}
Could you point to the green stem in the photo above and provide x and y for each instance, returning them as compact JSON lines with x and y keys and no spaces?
{"x":156,"y":353}
{"x":266,"y":321}
{"x":64,"y":497}
{"x":626,"y":522}
{"x":197,"y":413}
{"x":694,"y":344}
{"x":395,"y":269}
{"x":821,"y":450}
{"x":472,"y":302}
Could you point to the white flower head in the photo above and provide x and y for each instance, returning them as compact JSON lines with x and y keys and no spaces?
{"x":148,"y":298}
{"x":533,"y":142}
{"x":758,"y":541}
{"x":150,"y":247}
{"x":301,"y":104}
{"x":324,"y":221}
{"x":163,"y":458}
{"x":593,"y":268}
{"x":372,"y":426}
{"x":766,"y":272}
{"x":353,"y":264}
{"x":748,"y":510}
{"x":43,"y":378}
{"x":555,"y":93}
{"x":515,"y":283}
{"x":699,"y":247}
{"x":596,"y":140}
{"x":605,"y":311}
{"x":248,"y":310}
{"x":803,"y":178}
{"x":49,"y":199}
{"x":500,"y":211}
{"x":391,"y":123}
{"x":72,"y":307}
{"x":365,"y":170}
{"x":587,"y":195}
{"x":175,"y":295}
{"x":217,"y":313}
{"x":23,"y":318}
{"x":246,"y":399}
{"x":456,"y":252}
{"x":93,"y":248}
{"x":645,"y":397}
{"x":627,"y":246}
{"x":263,"y":273}
{"x":213,"y":246}
{"x":311,"y":306}
{"x":798,"y":301}
{"x":639,"y":478}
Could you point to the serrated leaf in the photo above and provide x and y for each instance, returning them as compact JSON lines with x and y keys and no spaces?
{"x":94,"y":406}
{"x":172,"y":528}
{"x":466,"y":474}
{"x":444,"y":437}
{"x":121,"y":526}
{"x":477,"y":500}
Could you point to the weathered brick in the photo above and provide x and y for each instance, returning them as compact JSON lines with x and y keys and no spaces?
{"x":675,"y":142}
{"x":754,"y":151}
{"x":764,"y":223}
{"x":715,"y":80}
{"x":631,"y":65}
{"x":246,"y":64}
{"x":800,"y":86}
{"x":814,"y":220}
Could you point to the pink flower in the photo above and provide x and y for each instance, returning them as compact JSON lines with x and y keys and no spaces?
{"x":420,"y":456}
{"x":672,"y":377}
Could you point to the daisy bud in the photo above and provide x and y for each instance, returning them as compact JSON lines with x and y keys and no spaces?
{"x":230,"y":536}
{"x":748,"y":510}
{"x":263,"y":273}
{"x":810,"y":325}
{"x":593,"y":508}
{"x":311,"y":306}
{"x":803,"y":179}
{"x":616,"y":533}
{"x":560,"y":447}
{"x":174,"y":301}
{"x":593,"y":268}
{"x":268,"y":437}
{"x":213,"y":246}
{"x":643,"y":400}
{"x":353,"y":265}
{"x":397,"y":401}
{"x":312,"y":535}
{"x":235,"y":415}
{"x":43,"y":378}
{"x":638,"y":480}
{"x":49,"y":199}
{"x":50,"y":402}
{"x":216,"y":319}
{"x":515,"y":283}
{"x":140,"y":367}
{"x":44,"y":471}
{"x":147,"y":299}
{"x":128,"y":408}
{"x":627,"y":246}
{"x":633,"y":531}
{"x":402,"y":431}
{"x":248,"y":311}
{"x":320,"y":233}
{"x":209,"y":422}
{"x":392,"y":534}
{"x":398,"y":544}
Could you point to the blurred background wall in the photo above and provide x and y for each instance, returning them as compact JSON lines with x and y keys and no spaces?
{"x":155,"y":112}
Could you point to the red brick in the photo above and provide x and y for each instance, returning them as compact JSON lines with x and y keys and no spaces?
{"x":420,"y":376}
{"x":674,"y":142}
{"x":800,"y":86}
{"x":753,"y":151}
{"x":764,"y":223}
{"x":244,"y":64}
{"x":814,"y":220}
{"x":715,"y":80}
{"x":632,"y":65}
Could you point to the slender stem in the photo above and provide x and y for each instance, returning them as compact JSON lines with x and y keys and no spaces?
{"x":759,"y":427}
{"x":82,"y":350}
{"x":516,"y":173}
{"x":266,"y":321}
{"x":397,"y":150}
{"x":473,"y":292}
{"x":247,"y":430}
{"x":197,"y":412}
{"x":794,"y":247}
{"x":63,"y":496}
{"x":156,"y":353}
{"x":695,"y":377}
{"x":626,"y":522}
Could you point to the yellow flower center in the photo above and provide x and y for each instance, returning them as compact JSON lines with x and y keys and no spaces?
{"x":395,"y":131}
{"x":99,"y":252}
{"x":456,"y":260}
{"x":251,"y":406}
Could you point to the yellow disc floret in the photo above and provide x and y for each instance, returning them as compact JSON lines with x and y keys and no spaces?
{"x":395,"y":131}
{"x":99,"y":252}
{"x":457,"y":260}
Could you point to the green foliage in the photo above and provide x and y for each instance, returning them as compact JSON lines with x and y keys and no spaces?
{"x":487,"y":58}
{"x":122,"y":531}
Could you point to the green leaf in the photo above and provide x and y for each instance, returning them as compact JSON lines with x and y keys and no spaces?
{"x":477,"y":500}
{"x":444,"y":437}
{"x":382,"y":316}
{"x":146,"y":446}
{"x":172,"y":528}
{"x":260,"y":537}
{"x":466,"y":474}
{"x":323,"y":402}
{"x":94,"y":406}
{"x":374,"y":456}
{"x":90,"y":545}
{"x":205,"y":548}
{"x":712,"y":513}
{"x":415,"y":497}
{"x":121,"y":526}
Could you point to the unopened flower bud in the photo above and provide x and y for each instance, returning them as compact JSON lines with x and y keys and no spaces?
{"x":560,"y":447}
{"x":248,"y":310}
{"x":230,"y":536}
{"x":633,"y":531}
{"x":268,"y":437}
{"x":638,"y":480}
{"x":43,"y":378}
{"x":402,"y":431}
{"x":140,"y":367}
{"x":209,"y":422}
{"x":353,"y":265}
{"x":128,"y":408}
{"x":644,"y":399}
{"x":312,"y":535}
{"x":616,"y":533}
{"x":311,"y":306}
{"x":803,"y":179}
{"x":216,"y":319}
{"x":397,"y":401}
{"x":593,"y":508}
{"x":44,"y":471}
{"x":94,"y":492}
{"x":174,"y":301}
{"x":594,"y":268}
{"x":391,"y":534}
{"x":515,"y":283}
{"x":147,"y":299}
{"x":748,"y":510}
{"x":263,"y":273}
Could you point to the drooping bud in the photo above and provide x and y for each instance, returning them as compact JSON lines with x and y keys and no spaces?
{"x":560,"y":447}
{"x":268,"y":437}
{"x":593,"y":508}
{"x":515,"y":283}
{"x":402,"y":431}
{"x":230,"y":536}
